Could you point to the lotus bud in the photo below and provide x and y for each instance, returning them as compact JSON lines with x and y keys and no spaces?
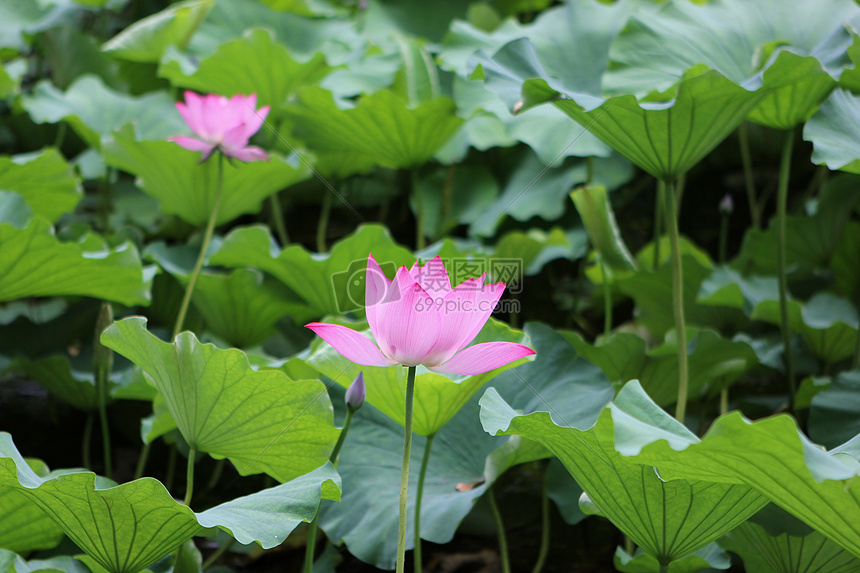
{"x":356,"y":394}
{"x":727,"y":205}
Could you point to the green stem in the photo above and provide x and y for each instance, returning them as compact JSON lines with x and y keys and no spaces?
{"x":607,"y":300}
{"x":216,"y":474}
{"x":61,"y":135}
{"x":207,"y":238}
{"x":664,"y":567}
{"x":101,"y":383}
{"x":278,"y":220}
{"x":88,"y":437}
{"x":746,"y":159}
{"x":500,"y":529}
{"x":544,"y":535}
{"x":322,"y":224}
{"x":724,"y":401}
{"x":404,"y":473}
{"x":781,"y":202}
{"x":658,"y":221}
{"x":310,"y":546}
{"x":420,"y":240}
{"x":589,"y":169}
{"x":189,"y":476}
{"x":677,"y":300}
{"x":419,"y":495}
{"x":210,"y":561}
{"x":141,"y":460}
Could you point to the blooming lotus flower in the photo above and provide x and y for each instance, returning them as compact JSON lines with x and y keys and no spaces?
{"x":412,"y":326}
{"x":222,"y":123}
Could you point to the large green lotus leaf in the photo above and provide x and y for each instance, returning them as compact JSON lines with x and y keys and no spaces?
{"x":125,"y":528}
{"x":652,"y":292}
{"x":72,"y":53}
{"x":833,"y":415}
{"x":12,"y":563}
{"x":662,"y":43}
{"x":773,"y":547}
{"x":714,"y":362}
{"x":381,"y":126}
{"x":337,"y":38}
{"x":44,"y":180}
{"x":832,"y":132}
{"x":383,"y":19}
{"x":772,"y":456}
{"x":708,"y":558}
{"x":95,"y":111}
{"x":147,"y":39}
{"x":184,"y":188}
{"x":241,"y":307}
{"x":668,"y":519}
{"x":332,"y":283}
{"x":34,"y":263}
{"x":438,"y":397}
{"x":21,"y":17}
{"x":24,"y":526}
{"x":244,"y":66}
{"x":665,"y":138}
{"x":811,"y":241}
{"x":462,"y":453}
{"x":596,"y":212}
{"x":260,"y":421}
{"x":828,"y":323}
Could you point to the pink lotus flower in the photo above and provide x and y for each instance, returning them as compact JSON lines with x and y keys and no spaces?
{"x":412,"y":327}
{"x":222,"y":123}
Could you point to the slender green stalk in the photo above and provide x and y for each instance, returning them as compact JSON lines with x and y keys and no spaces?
{"x":724,"y":401}
{"x":589,"y":169}
{"x":420,"y":239}
{"x":313,"y":526}
{"x":658,"y":221}
{"x":664,"y":567}
{"x":85,"y":443}
{"x":278,"y":220}
{"x":322,"y":224}
{"x":216,"y":474}
{"x":677,"y":300}
{"x":61,"y":135}
{"x":189,"y":476}
{"x":607,"y":300}
{"x":207,"y":238}
{"x":210,"y":561}
{"x":781,"y":203}
{"x":420,"y":494}
{"x":746,"y":159}
{"x":628,"y":545}
{"x":404,"y":473}
{"x":680,"y":185}
{"x":102,"y":367}
{"x":500,"y":529}
{"x":141,"y":460}
{"x":544,"y":534}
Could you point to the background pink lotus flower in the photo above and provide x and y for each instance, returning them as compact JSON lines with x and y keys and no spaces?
{"x":412,"y":326}
{"x":222,"y":123}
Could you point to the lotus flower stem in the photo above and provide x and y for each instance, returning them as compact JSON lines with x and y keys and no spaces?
{"x":207,"y":238}
{"x":278,"y":220}
{"x":677,"y":300}
{"x":102,"y":367}
{"x":322,"y":224}
{"x":607,"y":300}
{"x":544,"y":536}
{"x":419,"y":495}
{"x":189,"y":476}
{"x":781,"y":203}
{"x":746,"y":159}
{"x":500,"y":529}
{"x":141,"y":460}
{"x":313,"y":526}
{"x":658,"y":221}
{"x":404,"y":472}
